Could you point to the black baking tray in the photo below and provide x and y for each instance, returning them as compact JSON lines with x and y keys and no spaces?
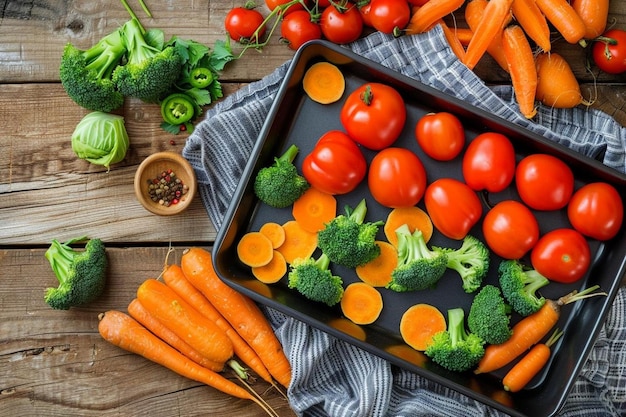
{"x":295,"y":119}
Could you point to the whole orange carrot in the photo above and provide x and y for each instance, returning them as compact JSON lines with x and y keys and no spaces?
{"x":594,"y":13}
{"x":174,"y":278}
{"x":125,"y":332}
{"x":473,"y":15}
{"x":522,"y":68}
{"x":529,"y":331}
{"x":184,"y":320}
{"x":533,"y":21}
{"x":143,"y":316}
{"x":495,"y":16}
{"x":564,"y":18}
{"x":240,"y":311}
{"x":428,"y":14}
{"x":529,"y":365}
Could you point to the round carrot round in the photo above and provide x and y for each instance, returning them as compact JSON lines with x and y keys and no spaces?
{"x":274,"y":232}
{"x":324,"y":83}
{"x":255,"y":249}
{"x":413,"y":216}
{"x":377,"y":272}
{"x":361,"y":303}
{"x":420,"y":323}
{"x":273,"y":271}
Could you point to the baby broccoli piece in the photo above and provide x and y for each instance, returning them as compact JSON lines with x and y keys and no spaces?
{"x":313,"y":279}
{"x":86,"y":75}
{"x":456,"y":349}
{"x":280,"y":185}
{"x":81,"y":274}
{"x":520,"y":285}
{"x":489,"y":316}
{"x":347,"y":240}
{"x":418,"y":266}
{"x":471,"y":261}
{"x":149,"y":72}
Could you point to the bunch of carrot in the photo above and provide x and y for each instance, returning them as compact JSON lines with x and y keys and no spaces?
{"x":195,"y":325}
{"x":507,"y":29}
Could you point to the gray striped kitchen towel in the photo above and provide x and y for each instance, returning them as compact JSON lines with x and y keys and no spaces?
{"x":333,"y":378}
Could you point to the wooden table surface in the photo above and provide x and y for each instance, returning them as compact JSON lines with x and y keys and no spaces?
{"x":54,"y":363}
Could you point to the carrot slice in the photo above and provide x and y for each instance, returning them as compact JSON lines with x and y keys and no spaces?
{"x":255,"y":249}
{"x":420,"y":323}
{"x":299,"y":243}
{"x":324,"y":83}
{"x":314,"y":209}
{"x":361,"y":303}
{"x":414,"y":217}
{"x":274,"y":232}
{"x":273,"y":271}
{"x":377,"y":272}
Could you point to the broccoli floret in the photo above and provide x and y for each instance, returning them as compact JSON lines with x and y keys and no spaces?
{"x":456,"y":348}
{"x":314,"y":280}
{"x":81,"y":274}
{"x":519,"y":286}
{"x":471,"y":261}
{"x":348,"y":240}
{"x":86,"y":75}
{"x":489,"y":316}
{"x":280,"y":185}
{"x":149,"y":72}
{"x":419,"y":267}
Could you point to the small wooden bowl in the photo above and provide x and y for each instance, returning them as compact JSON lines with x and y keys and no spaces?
{"x":151,"y":168}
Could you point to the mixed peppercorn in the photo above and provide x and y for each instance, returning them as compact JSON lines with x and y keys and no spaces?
{"x":167,"y":189}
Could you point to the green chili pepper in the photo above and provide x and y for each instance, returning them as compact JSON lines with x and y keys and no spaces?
{"x":200,"y":77}
{"x":177,"y":108}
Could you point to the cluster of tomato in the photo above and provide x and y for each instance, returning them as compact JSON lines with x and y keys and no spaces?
{"x":339,"y":22}
{"x":374,"y":115}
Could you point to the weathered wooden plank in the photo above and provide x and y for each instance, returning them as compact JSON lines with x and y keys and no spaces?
{"x":54,"y":363}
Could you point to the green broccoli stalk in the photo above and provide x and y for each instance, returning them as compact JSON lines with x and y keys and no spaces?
{"x":86,"y":75}
{"x":280,"y":185}
{"x":313,"y":279}
{"x":419,"y":267}
{"x":519,"y":286}
{"x":149,"y":72}
{"x":489,"y":316}
{"x":81,"y":274}
{"x":348,"y":240}
{"x":471,"y":261}
{"x":456,"y":348}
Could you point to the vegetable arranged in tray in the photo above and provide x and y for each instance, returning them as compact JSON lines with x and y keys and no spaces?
{"x":422,"y":225}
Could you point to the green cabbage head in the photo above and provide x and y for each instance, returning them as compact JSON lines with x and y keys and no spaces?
{"x":101,"y":138}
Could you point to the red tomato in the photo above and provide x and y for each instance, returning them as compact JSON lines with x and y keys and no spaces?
{"x":336,"y":165}
{"x":341,"y":26}
{"x":544,"y":182}
{"x":387,"y":15}
{"x":440,"y":135}
{"x":272,"y":4}
{"x":396,"y":178}
{"x":374,"y":115}
{"x":323,"y":3}
{"x":453,"y":207}
{"x":417,"y":2}
{"x":489,"y":162}
{"x":510,"y":229}
{"x":596,"y":210}
{"x":561,"y":255}
{"x":241,"y":23}
{"x":297,"y":28}
{"x":365,"y":14}
{"x":611,"y":58}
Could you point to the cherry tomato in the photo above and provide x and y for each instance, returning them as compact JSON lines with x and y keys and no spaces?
{"x":561,"y":255}
{"x":272,"y":4}
{"x":610,"y":58}
{"x":510,"y":229}
{"x":323,"y":3}
{"x":396,"y":178}
{"x":374,"y":115}
{"x":241,"y":23}
{"x":297,"y":28}
{"x":596,"y":210}
{"x":341,"y":26}
{"x":336,"y":165}
{"x":453,"y":207}
{"x":489,"y":162}
{"x":440,"y":135}
{"x":387,"y":15}
{"x":544,"y":182}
